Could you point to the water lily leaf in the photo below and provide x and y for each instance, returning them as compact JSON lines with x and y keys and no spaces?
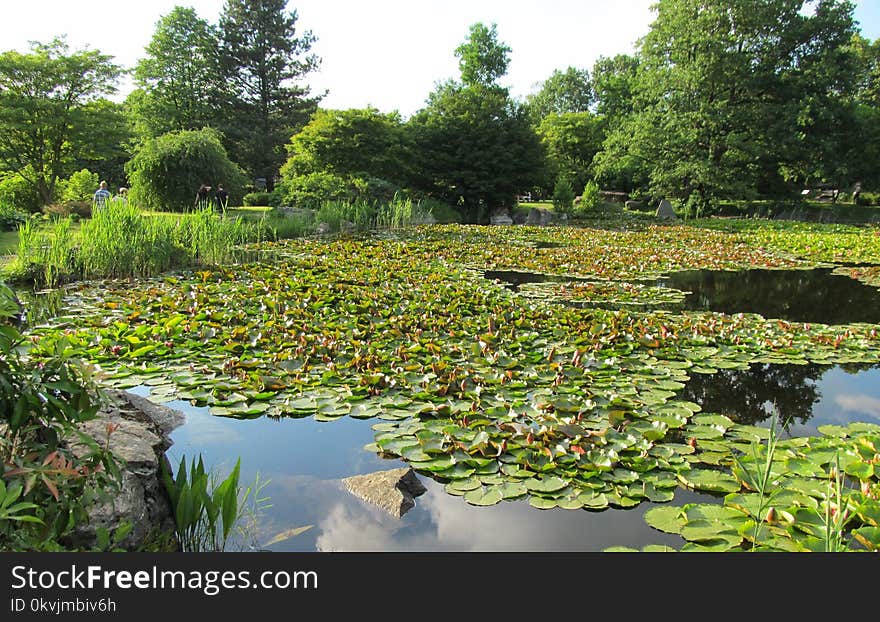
{"x":570,"y":503}
{"x":545,"y":485}
{"x":714,"y":481}
{"x":461,"y":486}
{"x":481,"y":497}
{"x":666,"y":519}
{"x":593,"y":500}
{"x":869,"y":537}
{"x":541,"y":503}
{"x":857,"y":468}
{"x":713,"y":420}
{"x":513,"y":490}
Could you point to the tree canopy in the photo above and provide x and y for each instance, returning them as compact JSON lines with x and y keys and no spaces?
{"x":262,"y":57}
{"x":51,"y":111}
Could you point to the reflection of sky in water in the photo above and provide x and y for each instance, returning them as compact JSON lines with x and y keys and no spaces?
{"x":844,"y":398}
{"x":304,"y":461}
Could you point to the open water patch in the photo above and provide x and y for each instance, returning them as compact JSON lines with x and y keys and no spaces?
{"x":815,"y":295}
{"x":805,"y":397}
{"x":304,"y":460}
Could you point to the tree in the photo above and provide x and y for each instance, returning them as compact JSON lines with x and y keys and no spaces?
{"x":356,"y":142}
{"x":561,"y":93}
{"x":727,"y":91}
{"x":166,"y":171}
{"x":178,"y":79}
{"x":474,"y":147}
{"x":614,"y":86}
{"x":572,"y":140}
{"x":51,"y":110}
{"x":482,"y":58}
{"x":260,"y":58}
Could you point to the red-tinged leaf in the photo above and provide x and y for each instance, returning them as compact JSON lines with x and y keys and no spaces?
{"x":578,"y":449}
{"x":547,"y":451}
{"x":51,"y":486}
{"x":50,"y":458}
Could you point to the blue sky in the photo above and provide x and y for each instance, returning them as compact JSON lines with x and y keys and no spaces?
{"x":385,"y":53}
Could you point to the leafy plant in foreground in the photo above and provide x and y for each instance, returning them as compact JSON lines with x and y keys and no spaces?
{"x":206,"y":512}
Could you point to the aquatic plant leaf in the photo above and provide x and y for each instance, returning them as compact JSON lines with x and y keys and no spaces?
{"x":710,"y":480}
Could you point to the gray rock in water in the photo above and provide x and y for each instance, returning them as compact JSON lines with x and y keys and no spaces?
{"x":323,"y":228}
{"x":664,"y":210}
{"x":394,"y":491}
{"x":540,"y":217}
{"x":139,"y":441}
{"x":500,"y":217}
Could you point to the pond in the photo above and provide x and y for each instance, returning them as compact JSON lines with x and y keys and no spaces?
{"x":534,"y":426}
{"x":304,"y":461}
{"x":815,"y":295}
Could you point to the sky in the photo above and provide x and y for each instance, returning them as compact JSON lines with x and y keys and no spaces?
{"x":388,"y":54}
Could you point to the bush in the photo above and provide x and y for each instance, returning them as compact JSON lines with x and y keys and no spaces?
{"x":868,"y":198}
{"x":45,"y":489}
{"x":10,"y":218}
{"x":260,"y":199}
{"x":313,"y":190}
{"x":18,"y":193}
{"x":79,"y":187}
{"x":590,"y":197}
{"x":166,"y":171}
{"x":563,"y":196}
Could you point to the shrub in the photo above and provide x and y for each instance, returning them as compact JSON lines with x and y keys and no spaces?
{"x":590,"y":197}
{"x":260,"y":199}
{"x":563,"y":196}
{"x":10,"y":218}
{"x":313,"y":190}
{"x":868,"y":198}
{"x":166,"y":171}
{"x":79,"y":187}
{"x":45,"y":489}
{"x":18,"y":193}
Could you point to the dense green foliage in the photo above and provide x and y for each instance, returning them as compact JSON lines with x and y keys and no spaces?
{"x":178,"y":80}
{"x":563,"y":92}
{"x":165,"y":172}
{"x":51,"y":113}
{"x":262,"y":56}
{"x":736,"y":100}
{"x":45,"y":487}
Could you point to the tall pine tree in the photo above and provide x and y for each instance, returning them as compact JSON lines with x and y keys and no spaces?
{"x":262,"y":58}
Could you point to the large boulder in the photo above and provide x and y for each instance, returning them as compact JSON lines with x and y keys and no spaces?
{"x":665,"y":211}
{"x":394,"y":491}
{"x":500,"y":217}
{"x":540,"y":217}
{"x":139,"y":439}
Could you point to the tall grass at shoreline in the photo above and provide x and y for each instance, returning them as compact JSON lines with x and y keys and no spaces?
{"x":121,"y":241}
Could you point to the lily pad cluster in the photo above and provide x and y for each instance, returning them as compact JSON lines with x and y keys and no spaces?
{"x":497,"y":394}
{"x":806,"y":509}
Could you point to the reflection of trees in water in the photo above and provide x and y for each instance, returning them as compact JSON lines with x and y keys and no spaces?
{"x":747,"y":395}
{"x":796,"y":295}
{"x":40,"y":307}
